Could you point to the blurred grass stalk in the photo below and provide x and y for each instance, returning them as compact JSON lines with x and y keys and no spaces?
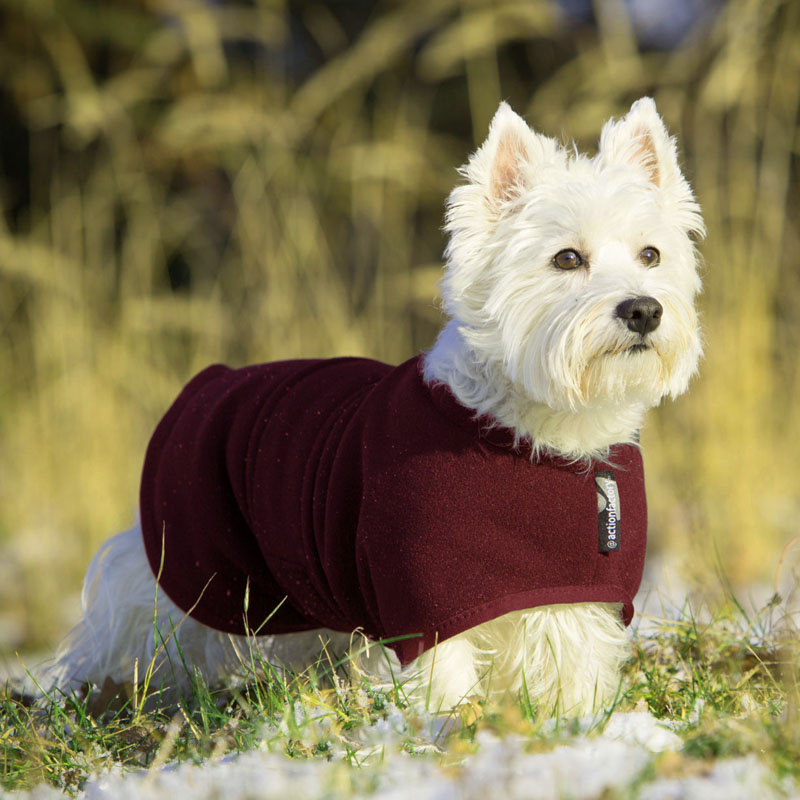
{"x":306,"y":219}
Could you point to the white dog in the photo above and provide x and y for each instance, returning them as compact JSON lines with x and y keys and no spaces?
{"x":480,"y":508}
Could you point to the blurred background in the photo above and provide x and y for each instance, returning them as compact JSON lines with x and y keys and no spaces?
{"x":189,"y":181}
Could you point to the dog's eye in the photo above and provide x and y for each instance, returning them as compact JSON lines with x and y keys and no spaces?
{"x":568,"y":259}
{"x":650,"y":257}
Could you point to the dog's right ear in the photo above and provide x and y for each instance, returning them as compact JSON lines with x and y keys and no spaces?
{"x":505,"y":164}
{"x":501,"y":170}
{"x":509,"y":143}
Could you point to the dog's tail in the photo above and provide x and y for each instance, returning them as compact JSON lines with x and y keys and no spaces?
{"x":131,"y":635}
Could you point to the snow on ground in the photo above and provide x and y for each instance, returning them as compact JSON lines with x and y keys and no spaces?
{"x":588,"y":766}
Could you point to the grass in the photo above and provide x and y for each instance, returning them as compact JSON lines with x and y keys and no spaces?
{"x":726,"y":685}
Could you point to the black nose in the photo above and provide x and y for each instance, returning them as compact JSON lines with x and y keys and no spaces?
{"x":641,"y":314}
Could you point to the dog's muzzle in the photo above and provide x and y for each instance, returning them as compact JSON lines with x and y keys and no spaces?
{"x":642,"y":315}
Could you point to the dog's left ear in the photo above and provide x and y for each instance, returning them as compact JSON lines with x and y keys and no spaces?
{"x":640,"y":138}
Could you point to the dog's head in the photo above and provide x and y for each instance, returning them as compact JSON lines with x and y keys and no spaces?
{"x":577,"y":276}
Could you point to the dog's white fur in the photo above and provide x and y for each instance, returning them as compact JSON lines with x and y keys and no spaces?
{"x":538,"y":349}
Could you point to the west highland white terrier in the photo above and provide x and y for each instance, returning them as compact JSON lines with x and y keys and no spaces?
{"x":479,"y":511}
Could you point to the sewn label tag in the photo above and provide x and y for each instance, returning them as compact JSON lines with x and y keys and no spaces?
{"x":608,"y":512}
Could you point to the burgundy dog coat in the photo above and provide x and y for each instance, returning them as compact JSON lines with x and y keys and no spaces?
{"x":349,"y":494}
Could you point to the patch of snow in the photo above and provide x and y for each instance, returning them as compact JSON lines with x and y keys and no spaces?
{"x":587,"y":769}
{"x":642,"y":728}
{"x":733,"y":779}
{"x":634,"y":727}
